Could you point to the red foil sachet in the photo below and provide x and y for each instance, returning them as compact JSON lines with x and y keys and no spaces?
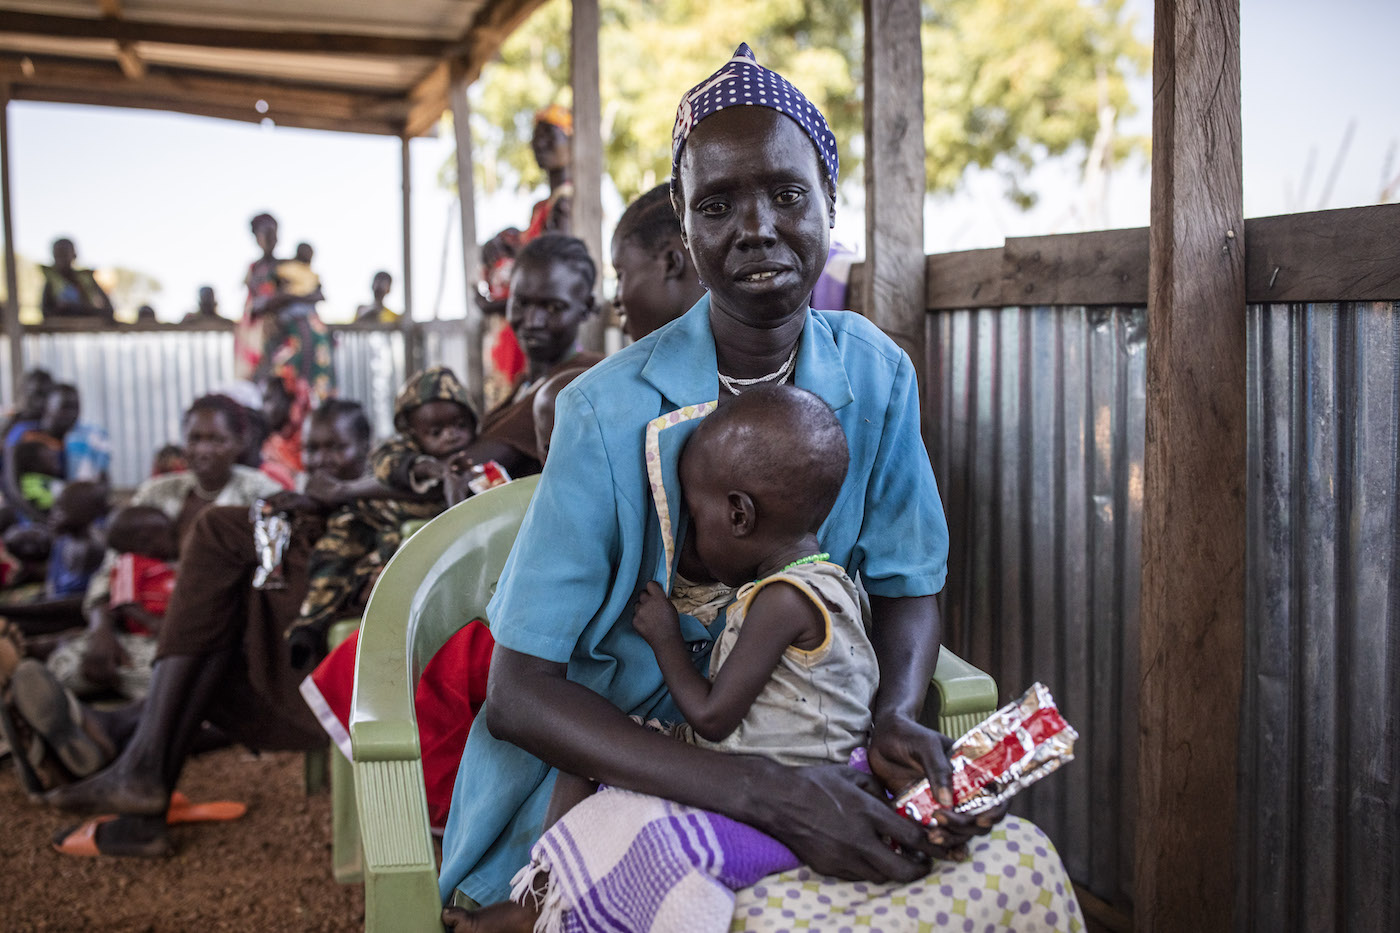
{"x":1009,"y":750}
{"x":486,"y":476}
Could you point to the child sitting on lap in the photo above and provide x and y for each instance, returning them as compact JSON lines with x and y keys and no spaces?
{"x":793,"y":674}
{"x":434,"y":414}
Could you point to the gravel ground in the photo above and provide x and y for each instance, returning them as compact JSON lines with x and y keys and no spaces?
{"x":269,"y":871}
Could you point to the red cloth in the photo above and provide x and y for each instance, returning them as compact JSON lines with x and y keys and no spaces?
{"x":506,"y":354}
{"x":449,"y":695}
{"x":145,"y":581}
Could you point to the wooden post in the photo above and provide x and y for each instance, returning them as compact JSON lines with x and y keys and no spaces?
{"x":13,"y":331}
{"x":893,"y":286}
{"x":410,"y":350}
{"x":1193,"y":521}
{"x":471,"y":254}
{"x":587,"y":166}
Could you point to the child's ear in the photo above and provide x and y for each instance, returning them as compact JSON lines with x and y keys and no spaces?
{"x":742,"y":514}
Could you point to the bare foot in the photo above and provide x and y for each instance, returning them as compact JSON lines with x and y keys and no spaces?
{"x":505,"y":917}
{"x":112,"y":791}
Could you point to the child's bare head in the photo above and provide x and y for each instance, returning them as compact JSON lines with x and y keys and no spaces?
{"x":78,"y":506}
{"x":144,"y":530}
{"x":434,"y":409}
{"x":765,"y":468}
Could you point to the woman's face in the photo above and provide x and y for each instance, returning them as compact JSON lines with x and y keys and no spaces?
{"x":550,"y":144}
{"x":756,"y":215}
{"x":213,"y":447}
{"x":548,"y":301}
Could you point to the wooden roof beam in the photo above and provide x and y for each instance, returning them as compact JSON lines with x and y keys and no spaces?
{"x":125,"y":30}
{"x":137,"y":98}
{"x":226,"y":96}
{"x":127,"y":57}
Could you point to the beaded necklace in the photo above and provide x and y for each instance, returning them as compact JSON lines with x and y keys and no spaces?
{"x":809,"y":559}
{"x":735,"y":386}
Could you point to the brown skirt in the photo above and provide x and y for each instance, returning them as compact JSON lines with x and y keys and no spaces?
{"x":215,"y":610}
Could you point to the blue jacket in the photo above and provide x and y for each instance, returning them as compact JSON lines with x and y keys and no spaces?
{"x":606,"y":518}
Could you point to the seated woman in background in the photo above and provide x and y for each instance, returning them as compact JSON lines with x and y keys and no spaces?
{"x":221,"y":657}
{"x":214,"y":431}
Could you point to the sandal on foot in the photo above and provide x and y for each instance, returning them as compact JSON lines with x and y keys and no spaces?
{"x":184,"y":810}
{"x":81,"y":841}
{"x":57,"y":716}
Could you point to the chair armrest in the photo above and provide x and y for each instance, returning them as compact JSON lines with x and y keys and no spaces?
{"x":962,"y":696}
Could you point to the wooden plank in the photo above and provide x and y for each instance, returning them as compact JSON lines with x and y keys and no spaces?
{"x":13,"y":331}
{"x":1193,"y":522}
{"x":310,"y":121}
{"x":587,"y":168}
{"x":426,"y":100}
{"x":1345,"y":255}
{"x":967,"y":279}
{"x":894,"y":176}
{"x":125,"y":30}
{"x":471,"y":253}
{"x":48,"y":75}
{"x":406,"y":320}
{"x":496,"y":21}
{"x":1106,"y":267}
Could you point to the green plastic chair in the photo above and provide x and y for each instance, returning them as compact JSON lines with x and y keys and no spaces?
{"x":439,"y":581}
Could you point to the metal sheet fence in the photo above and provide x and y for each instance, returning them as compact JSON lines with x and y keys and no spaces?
{"x":137,"y":383}
{"x":1320,"y":737}
{"x":1036,"y":434}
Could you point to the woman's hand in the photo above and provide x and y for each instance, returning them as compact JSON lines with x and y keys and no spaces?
{"x":838,"y":821}
{"x":656,"y":619}
{"x":902,"y":753}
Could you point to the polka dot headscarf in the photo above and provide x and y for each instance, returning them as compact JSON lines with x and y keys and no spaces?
{"x":744,"y":82}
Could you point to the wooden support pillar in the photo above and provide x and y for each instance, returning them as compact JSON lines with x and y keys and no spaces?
{"x":13,"y":331}
{"x":471,"y":254}
{"x":1193,"y":519}
{"x":587,"y":167}
{"x":410,"y":349}
{"x":893,"y":288}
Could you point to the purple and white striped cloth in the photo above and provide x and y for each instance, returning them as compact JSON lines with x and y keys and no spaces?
{"x":628,"y":862}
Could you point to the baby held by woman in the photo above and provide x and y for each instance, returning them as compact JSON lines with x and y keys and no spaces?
{"x":791,"y":677}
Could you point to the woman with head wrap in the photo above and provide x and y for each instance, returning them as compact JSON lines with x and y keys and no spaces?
{"x":754,"y":182}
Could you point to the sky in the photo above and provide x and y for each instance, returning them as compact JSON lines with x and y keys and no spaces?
{"x":171,"y":195}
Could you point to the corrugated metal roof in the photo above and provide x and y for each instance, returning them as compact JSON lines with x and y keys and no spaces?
{"x":352,"y":65}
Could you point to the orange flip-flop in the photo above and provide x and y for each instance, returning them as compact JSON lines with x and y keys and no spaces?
{"x":184,"y":810}
{"x":82,"y":840}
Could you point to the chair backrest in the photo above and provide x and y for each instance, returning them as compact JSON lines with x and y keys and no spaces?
{"x":438,"y":581}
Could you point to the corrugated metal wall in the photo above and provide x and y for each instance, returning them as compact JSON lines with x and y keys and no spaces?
{"x":137,"y":383}
{"x":1320,"y":740}
{"x":1036,"y":433}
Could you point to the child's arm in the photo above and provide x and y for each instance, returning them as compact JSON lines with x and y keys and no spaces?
{"x":778,"y":616}
{"x":393,"y":463}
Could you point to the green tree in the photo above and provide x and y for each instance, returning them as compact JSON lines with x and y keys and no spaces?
{"x":1006,"y":81}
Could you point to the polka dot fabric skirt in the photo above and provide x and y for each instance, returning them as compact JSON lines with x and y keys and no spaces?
{"x":1012,"y":881}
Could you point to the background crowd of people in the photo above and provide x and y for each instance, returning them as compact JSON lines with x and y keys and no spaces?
{"x":134,"y":634}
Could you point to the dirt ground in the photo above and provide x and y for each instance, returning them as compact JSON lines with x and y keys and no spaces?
{"x":269,"y":871}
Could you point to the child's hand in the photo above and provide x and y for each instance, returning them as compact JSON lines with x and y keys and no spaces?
{"x":426,"y":472}
{"x":656,"y":619}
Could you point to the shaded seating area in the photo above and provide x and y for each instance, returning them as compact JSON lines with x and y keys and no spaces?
{"x":1168,"y":458}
